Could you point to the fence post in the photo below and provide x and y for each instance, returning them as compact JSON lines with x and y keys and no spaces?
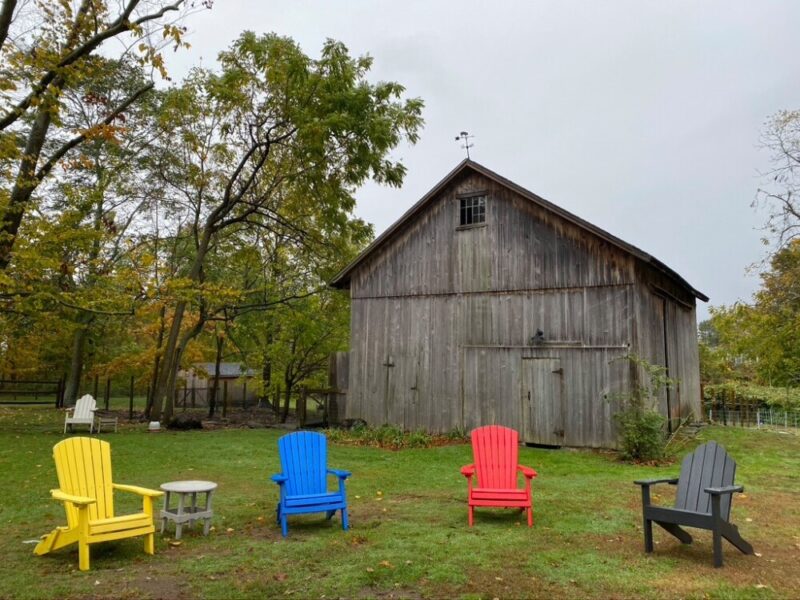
{"x":96,"y":381}
{"x":244,"y":394}
{"x":60,"y":393}
{"x":301,"y":408}
{"x":130,"y":402}
{"x":224,"y":398}
{"x":108,"y":390}
{"x":194,"y":394}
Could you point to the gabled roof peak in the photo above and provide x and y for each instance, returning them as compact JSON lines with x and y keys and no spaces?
{"x":342,"y":279}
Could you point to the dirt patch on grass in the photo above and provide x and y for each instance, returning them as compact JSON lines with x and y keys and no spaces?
{"x":158,"y":586}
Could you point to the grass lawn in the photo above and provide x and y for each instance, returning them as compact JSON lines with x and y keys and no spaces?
{"x":408,"y":516}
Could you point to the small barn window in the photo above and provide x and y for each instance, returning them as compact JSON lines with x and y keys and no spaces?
{"x":473,"y":210}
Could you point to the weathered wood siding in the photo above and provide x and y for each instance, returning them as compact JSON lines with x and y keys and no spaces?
{"x":666,"y":335}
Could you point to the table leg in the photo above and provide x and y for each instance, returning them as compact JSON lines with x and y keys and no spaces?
{"x":179,"y":523}
{"x":164,"y":512}
{"x":207,"y":520}
{"x":194,"y":509}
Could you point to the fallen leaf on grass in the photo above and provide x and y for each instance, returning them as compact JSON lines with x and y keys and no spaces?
{"x":760,"y":586}
{"x":758,"y":554}
{"x":280,"y":576}
{"x":749,"y":520}
{"x":387,"y":564}
{"x":370,"y":570}
{"x":229,"y":530}
{"x":175,"y":542}
{"x":498,"y":579}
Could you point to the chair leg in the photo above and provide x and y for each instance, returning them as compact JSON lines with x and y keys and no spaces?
{"x":329,"y":514}
{"x":83,"y":556}
{"x":648,"y":535}
{"x":284,"y":526}
{"x":471,"y":515}
{"x":345,"y":522}
{"x":150,"y":543}
{"x":717,"y":535}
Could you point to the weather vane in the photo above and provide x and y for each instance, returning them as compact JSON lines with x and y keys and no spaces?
{"x":466,"y":137}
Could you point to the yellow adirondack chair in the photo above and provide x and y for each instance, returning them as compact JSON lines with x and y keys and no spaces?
{"x":86,"y":489}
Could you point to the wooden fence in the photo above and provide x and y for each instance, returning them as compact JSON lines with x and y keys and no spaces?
{"x":31,"y":391}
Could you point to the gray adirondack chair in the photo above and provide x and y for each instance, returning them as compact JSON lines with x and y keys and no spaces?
{"x":703,"y":500}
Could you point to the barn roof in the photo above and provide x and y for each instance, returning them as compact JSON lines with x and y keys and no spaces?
{"x":342,"y":279}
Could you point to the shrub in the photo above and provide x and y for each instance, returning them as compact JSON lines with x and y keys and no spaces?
{"x":641,"y":428}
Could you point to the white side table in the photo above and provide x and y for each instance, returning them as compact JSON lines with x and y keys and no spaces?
{"x":183,"y":513}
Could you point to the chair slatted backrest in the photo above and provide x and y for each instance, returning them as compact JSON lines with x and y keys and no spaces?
{"x":708,"y":466}
{"x":304,"y":460}
{"x":84,"y":408}
{"x":496,"y":451}
{"x":83,"y":466}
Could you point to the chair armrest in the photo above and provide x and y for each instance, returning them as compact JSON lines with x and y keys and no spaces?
{"x":76,"y":500}
{"x":527,"y":471}
{"x":279,"y":479}
{"x":728,"y":489}
{"x":135,"y":489}
{"x":340,"y":474}
{"x":648,"y":482}
{"x":468,"y":470}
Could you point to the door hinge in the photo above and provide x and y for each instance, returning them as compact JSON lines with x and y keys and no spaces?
{"x":559,"y":370}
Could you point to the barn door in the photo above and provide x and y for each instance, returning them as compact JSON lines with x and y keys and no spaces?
{"x":542,"y":401}
{"x":401,"y":394}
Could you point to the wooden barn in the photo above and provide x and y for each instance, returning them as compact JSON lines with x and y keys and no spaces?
{"x":485,"y":303}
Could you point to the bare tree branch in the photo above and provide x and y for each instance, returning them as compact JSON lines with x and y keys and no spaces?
{"x":120,"y":25}
{"x":59,"y":154}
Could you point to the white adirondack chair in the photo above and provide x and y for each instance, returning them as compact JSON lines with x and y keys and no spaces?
{"x":82,"y":413}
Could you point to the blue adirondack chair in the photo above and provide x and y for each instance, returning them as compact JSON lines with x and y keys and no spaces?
{"x":304,"y":480}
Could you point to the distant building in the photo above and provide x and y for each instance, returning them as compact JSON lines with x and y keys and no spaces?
{"x":201,"y":378}
{"x":485,"y":303}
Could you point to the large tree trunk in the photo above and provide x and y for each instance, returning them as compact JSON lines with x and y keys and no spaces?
{"x":164,"y":392}
{"x":212,"y":398}
{"x":162,"y":315}
{"x":76,"y":363}
{"x":24,"y":184}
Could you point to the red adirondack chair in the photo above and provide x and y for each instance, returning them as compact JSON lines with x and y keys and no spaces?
{"x":495,"y":451}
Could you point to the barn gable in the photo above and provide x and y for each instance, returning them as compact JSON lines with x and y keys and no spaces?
{"x":437,"y":214}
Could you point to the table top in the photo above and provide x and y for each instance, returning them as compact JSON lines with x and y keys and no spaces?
{"x":191,"y":486}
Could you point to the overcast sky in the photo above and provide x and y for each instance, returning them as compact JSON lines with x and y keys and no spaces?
{"x":642,"y":117}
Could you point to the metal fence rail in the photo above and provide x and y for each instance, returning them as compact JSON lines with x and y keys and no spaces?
{"x":759,"y":418}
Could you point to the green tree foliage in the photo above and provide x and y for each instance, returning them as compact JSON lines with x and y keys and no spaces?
{"x":201,"y":222}
{"x":760,"y":342}
{"x":275,"y":141}
{"x":47,"y":50}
